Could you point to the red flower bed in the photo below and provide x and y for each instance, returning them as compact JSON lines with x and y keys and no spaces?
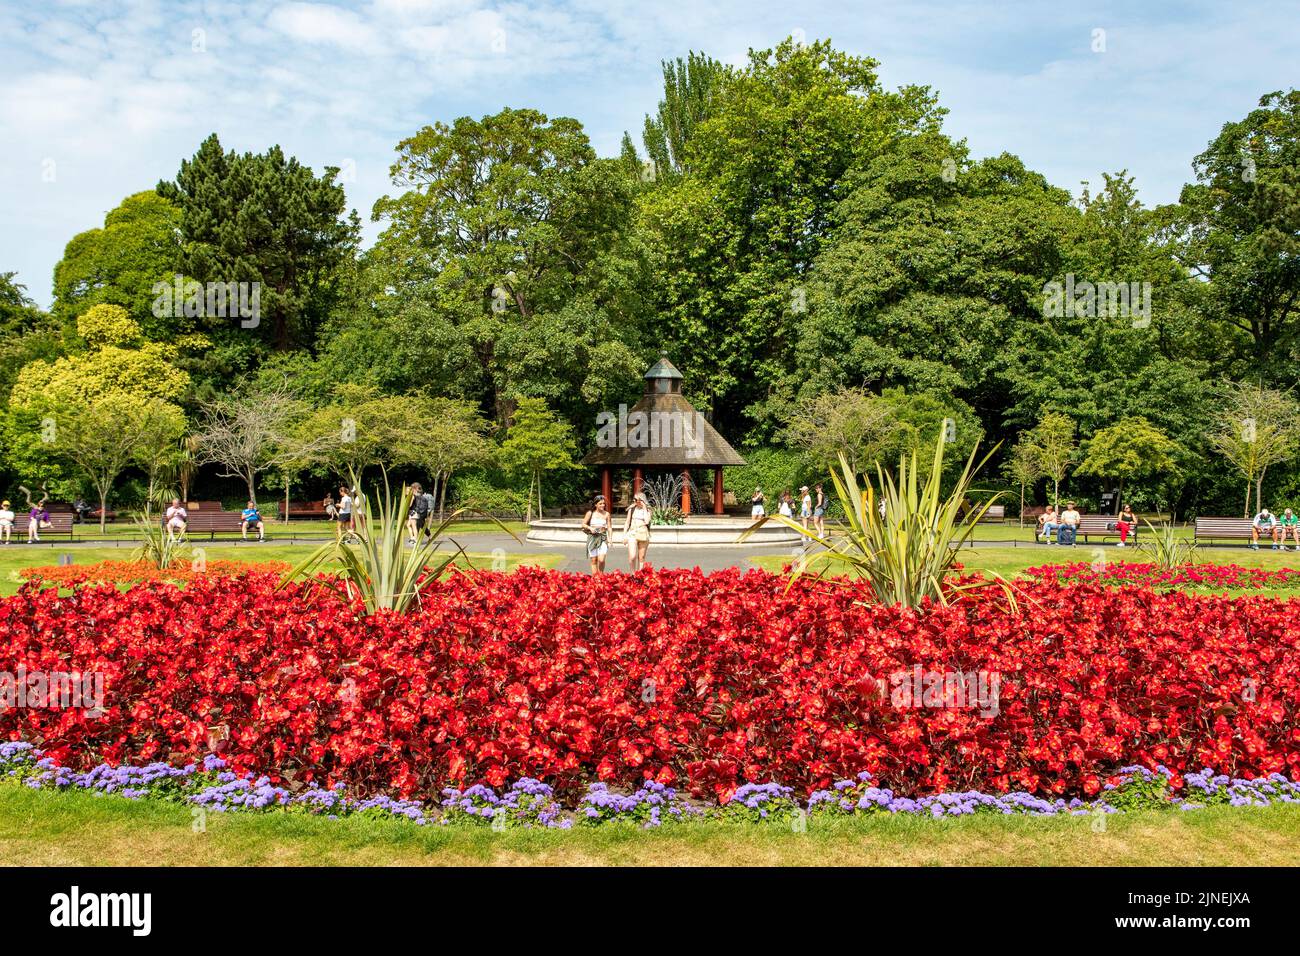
{"x":704,"y":681}
{"x":135,"y":572}
{"x":1226,"y":576}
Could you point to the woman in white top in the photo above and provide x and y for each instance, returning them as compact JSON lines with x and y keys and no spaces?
{"x":6,"y":523}
{"x":177,"y":517}
{"x":596,"y":523}
{"x":756,"y":504}
{"x":786,"y":508}
{"x":636,"y":531}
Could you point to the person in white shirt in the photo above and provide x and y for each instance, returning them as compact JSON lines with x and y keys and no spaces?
{"x":805,"y":506}
{"x":176,"y":518}
{"x":636,"y":531}
{"x":786,"y":508}
{"x":6,"y":523}
{"x":345,"y":512}
{"x":596,"y":523}
{"x":1264,"y":521}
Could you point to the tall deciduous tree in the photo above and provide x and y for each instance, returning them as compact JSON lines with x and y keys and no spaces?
{"x":1128,"y":450}
{"x":537,"y":442}
{"x":510,"y":231}
{"x":1256,"y":427}
{"x":119,"y":264}
{"x":101,"y":437}
{"x":1239,"y":232}
{"x":255,"y":431}
{"x":1054,"y":447}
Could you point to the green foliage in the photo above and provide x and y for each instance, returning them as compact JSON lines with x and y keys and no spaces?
{"x":380,"y":567}
{"x":773,"y":469}
{"x":1129,"y":450}
{"x":264,"y":218}
{"x":537,"y":442}
{"x":1165,"y":548}
{"x":1235,"y":230}
{"x":905,"y":543}
{"x":119,"y":264}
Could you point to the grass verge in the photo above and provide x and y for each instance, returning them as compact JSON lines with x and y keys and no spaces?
{"x":78,"y":829}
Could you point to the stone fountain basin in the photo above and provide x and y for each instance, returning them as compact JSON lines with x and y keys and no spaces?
{"x":699,"y":531}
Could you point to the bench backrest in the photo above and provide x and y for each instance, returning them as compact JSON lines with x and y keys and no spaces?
{"x":1227,"y":527}
{"x":60,"y":521}
{"x":203,"y":506}
{"x":214,"y":521}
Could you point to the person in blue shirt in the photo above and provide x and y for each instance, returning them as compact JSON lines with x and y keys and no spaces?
{"x":252,"y":518}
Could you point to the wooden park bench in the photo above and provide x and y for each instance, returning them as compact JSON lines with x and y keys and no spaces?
{"x":202,"y":506}
{"x":60,"y":523}
{"x":213,"y":523}
{"x":1095,"y":526}
{"x":996,"y":513}
{"x":311,"y":510}
{"x":1226,"y":529}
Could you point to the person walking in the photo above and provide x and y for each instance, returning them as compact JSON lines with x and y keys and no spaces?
{"x":636,"y":531}
{"x":819,"y":511}
{"x":786,"y":508}
{"x":805,"y":506}
{"x":345,"y":513}
{"x":596,"y":523}
{"x":417,"y":514}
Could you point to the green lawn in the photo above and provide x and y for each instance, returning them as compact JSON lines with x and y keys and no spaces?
{"x":79,"y":829}
{"x":15,"y":558}
{"x":124,"y":530}
{"x":1010,"y":562}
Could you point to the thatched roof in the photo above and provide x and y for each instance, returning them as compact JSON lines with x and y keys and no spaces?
{"x":662,"y":430}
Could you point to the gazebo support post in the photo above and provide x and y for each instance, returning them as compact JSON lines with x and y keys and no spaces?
{"x":636,"y":482}
{"x":607,"y":487}
{"x":686,"y":491}
{"x":717,"y":490}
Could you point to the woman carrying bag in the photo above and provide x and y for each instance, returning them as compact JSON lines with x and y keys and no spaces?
{"x":636,"y":531}
{"x":596,"y":523}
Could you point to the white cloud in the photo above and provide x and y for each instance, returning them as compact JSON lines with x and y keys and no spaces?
{"x":115,"y":93}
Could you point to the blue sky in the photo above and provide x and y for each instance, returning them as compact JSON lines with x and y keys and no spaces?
{"x":101,"y":98}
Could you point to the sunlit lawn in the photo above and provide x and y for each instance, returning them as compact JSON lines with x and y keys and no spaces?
{"x":53,"y":829}
{"x":15,"y":558}
{"x":124,"y":529}
{"x":1011,"y":562}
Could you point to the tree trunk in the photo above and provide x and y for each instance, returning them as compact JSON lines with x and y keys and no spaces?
{"x":286,"y":499}
{"x":540,"y":512}
{"x":442,"y":494}
{"x":1247,"y":513}
{"x":103,"y":509}
{"x":1022,"y":504}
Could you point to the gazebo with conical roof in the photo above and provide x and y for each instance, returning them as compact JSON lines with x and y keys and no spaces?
{"x":664,"y":432}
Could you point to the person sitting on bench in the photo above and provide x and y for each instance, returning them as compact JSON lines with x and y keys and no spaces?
{"x":252,"y":518}
{"x":176,"y":518}
{"x":1291,"y":526}
{"x":1126,"y":525}
{"x":1069,"y":527}
{"x":1264,"y":521}
{"x":1048,"y":522}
